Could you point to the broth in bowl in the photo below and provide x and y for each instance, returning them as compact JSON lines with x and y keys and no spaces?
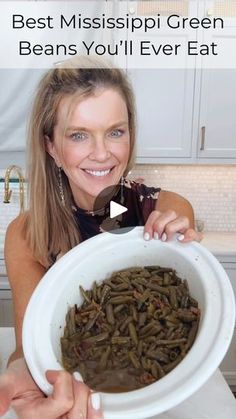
{"x":131,"y":329}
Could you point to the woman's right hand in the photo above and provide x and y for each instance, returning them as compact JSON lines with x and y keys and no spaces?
{"x":70,"y":399}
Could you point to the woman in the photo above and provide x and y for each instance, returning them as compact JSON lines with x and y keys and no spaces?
{"x":81,"y":142}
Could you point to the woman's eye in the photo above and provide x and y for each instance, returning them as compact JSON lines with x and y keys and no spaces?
{"x":116,"y":133}
{"x":79,"y":136}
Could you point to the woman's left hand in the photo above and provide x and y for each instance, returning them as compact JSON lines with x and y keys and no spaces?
{"x":71,"y":399}
{"x":163,"y":226}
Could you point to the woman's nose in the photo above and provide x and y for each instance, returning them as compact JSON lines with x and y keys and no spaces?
{"x":100,"y":150}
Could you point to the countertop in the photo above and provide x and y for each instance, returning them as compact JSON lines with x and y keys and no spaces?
{"x":214,"y":400}
{"x":218,"y":242}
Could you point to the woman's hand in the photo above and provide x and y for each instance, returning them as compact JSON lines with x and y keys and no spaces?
{"x":70,"y":399}
{"x":163,"y":225}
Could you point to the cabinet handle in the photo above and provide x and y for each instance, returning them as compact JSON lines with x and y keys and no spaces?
{"x":203,"y":129}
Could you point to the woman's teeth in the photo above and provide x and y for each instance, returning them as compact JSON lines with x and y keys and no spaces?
{"x":98,"y":172}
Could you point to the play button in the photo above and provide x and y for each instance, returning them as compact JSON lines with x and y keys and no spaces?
{"x":110,"y":211}
{"x":116,"y":209}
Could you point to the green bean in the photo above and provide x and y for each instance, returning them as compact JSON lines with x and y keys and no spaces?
{"x":134,"y":313}
{"x":104,"y":358}
{"x":118,"y":308}
{"x":110,"y":314}
{"x":169,"y":367}
{"x":120,"y":293}
{"x":156,"y":287}
{"x":84,"y":294}
{"x":142,"y":318}
{"x":105,"y":294}
{"x":145,"y":329}
{"x":70,"y":320}
{"x":169,"y":342}
{"x":167,"y":278}
{"x":96,"y":338}
{"x":125,"y":323}
{"x":133,"y":333}
{"x":92,"y":321}
{"x":120,"y":300}
{"x":159,"y":355}
{"x":160,"y":370}
{"x":173,"y":298}
{"x":186,"y":316}
{"x":154,"y":371}
{"x":140,"y":348}
{"x":134,"y":360}
{"x":120,"y":340}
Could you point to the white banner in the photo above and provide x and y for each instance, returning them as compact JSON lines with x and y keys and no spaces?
{"x":137,"y":34}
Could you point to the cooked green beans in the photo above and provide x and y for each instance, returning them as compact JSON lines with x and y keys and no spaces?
{"x":131,"y":329}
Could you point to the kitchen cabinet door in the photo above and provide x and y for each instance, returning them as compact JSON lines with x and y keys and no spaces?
{"x":6,"y":309}
{"x":6,"y":312}
{"x":217,"y":130}
{"x":164,"y":96}
{"x":6,"y":306}
{"x":164,"y":101}
{"x":217,"y":122}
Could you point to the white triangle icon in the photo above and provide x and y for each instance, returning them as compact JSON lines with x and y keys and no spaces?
{"x":116,"y":209}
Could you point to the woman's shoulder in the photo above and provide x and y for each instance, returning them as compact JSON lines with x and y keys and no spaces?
{"x":17,"y":245}
{"x":170,"y":199}
{"x":15,"y":239}
{"x":17,"y":225}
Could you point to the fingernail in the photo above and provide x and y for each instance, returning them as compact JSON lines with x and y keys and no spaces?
{"x":164,"y":237}
{"x":180,"y":237}
{"x":156,"y":235}
{"x":95,"y":401}
{"x":146,"y":236}
{"x":77,"y":376}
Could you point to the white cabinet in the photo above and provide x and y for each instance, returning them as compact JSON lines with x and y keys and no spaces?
{"x":164,"y":112}
{"x":217,"y":127}
{"x":216,"y":132}
{"x":217,"y":122}
{"x":187,"y":116}
{"x":6,"y":307}
{"x":164,"y":96}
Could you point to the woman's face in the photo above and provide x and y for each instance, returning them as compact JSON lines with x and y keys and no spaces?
{"x":94,"y":149}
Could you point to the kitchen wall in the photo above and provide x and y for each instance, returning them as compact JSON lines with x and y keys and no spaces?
{"x":210,"y":189}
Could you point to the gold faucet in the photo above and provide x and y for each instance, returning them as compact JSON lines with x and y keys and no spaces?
{"x":8,"y":192}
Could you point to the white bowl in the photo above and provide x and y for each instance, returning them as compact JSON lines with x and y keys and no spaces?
{"x":96,"y":259}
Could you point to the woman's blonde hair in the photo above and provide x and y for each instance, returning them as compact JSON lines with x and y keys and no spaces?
{"x":50,"y":227}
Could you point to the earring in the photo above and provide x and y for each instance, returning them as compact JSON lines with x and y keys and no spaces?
{"x":61,"y":187}
{"x":122,"y":189}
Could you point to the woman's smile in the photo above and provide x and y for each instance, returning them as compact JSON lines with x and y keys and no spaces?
{"x":98,"y":172}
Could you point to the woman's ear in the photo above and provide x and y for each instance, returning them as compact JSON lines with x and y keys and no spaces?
{"x":50,"y":148}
